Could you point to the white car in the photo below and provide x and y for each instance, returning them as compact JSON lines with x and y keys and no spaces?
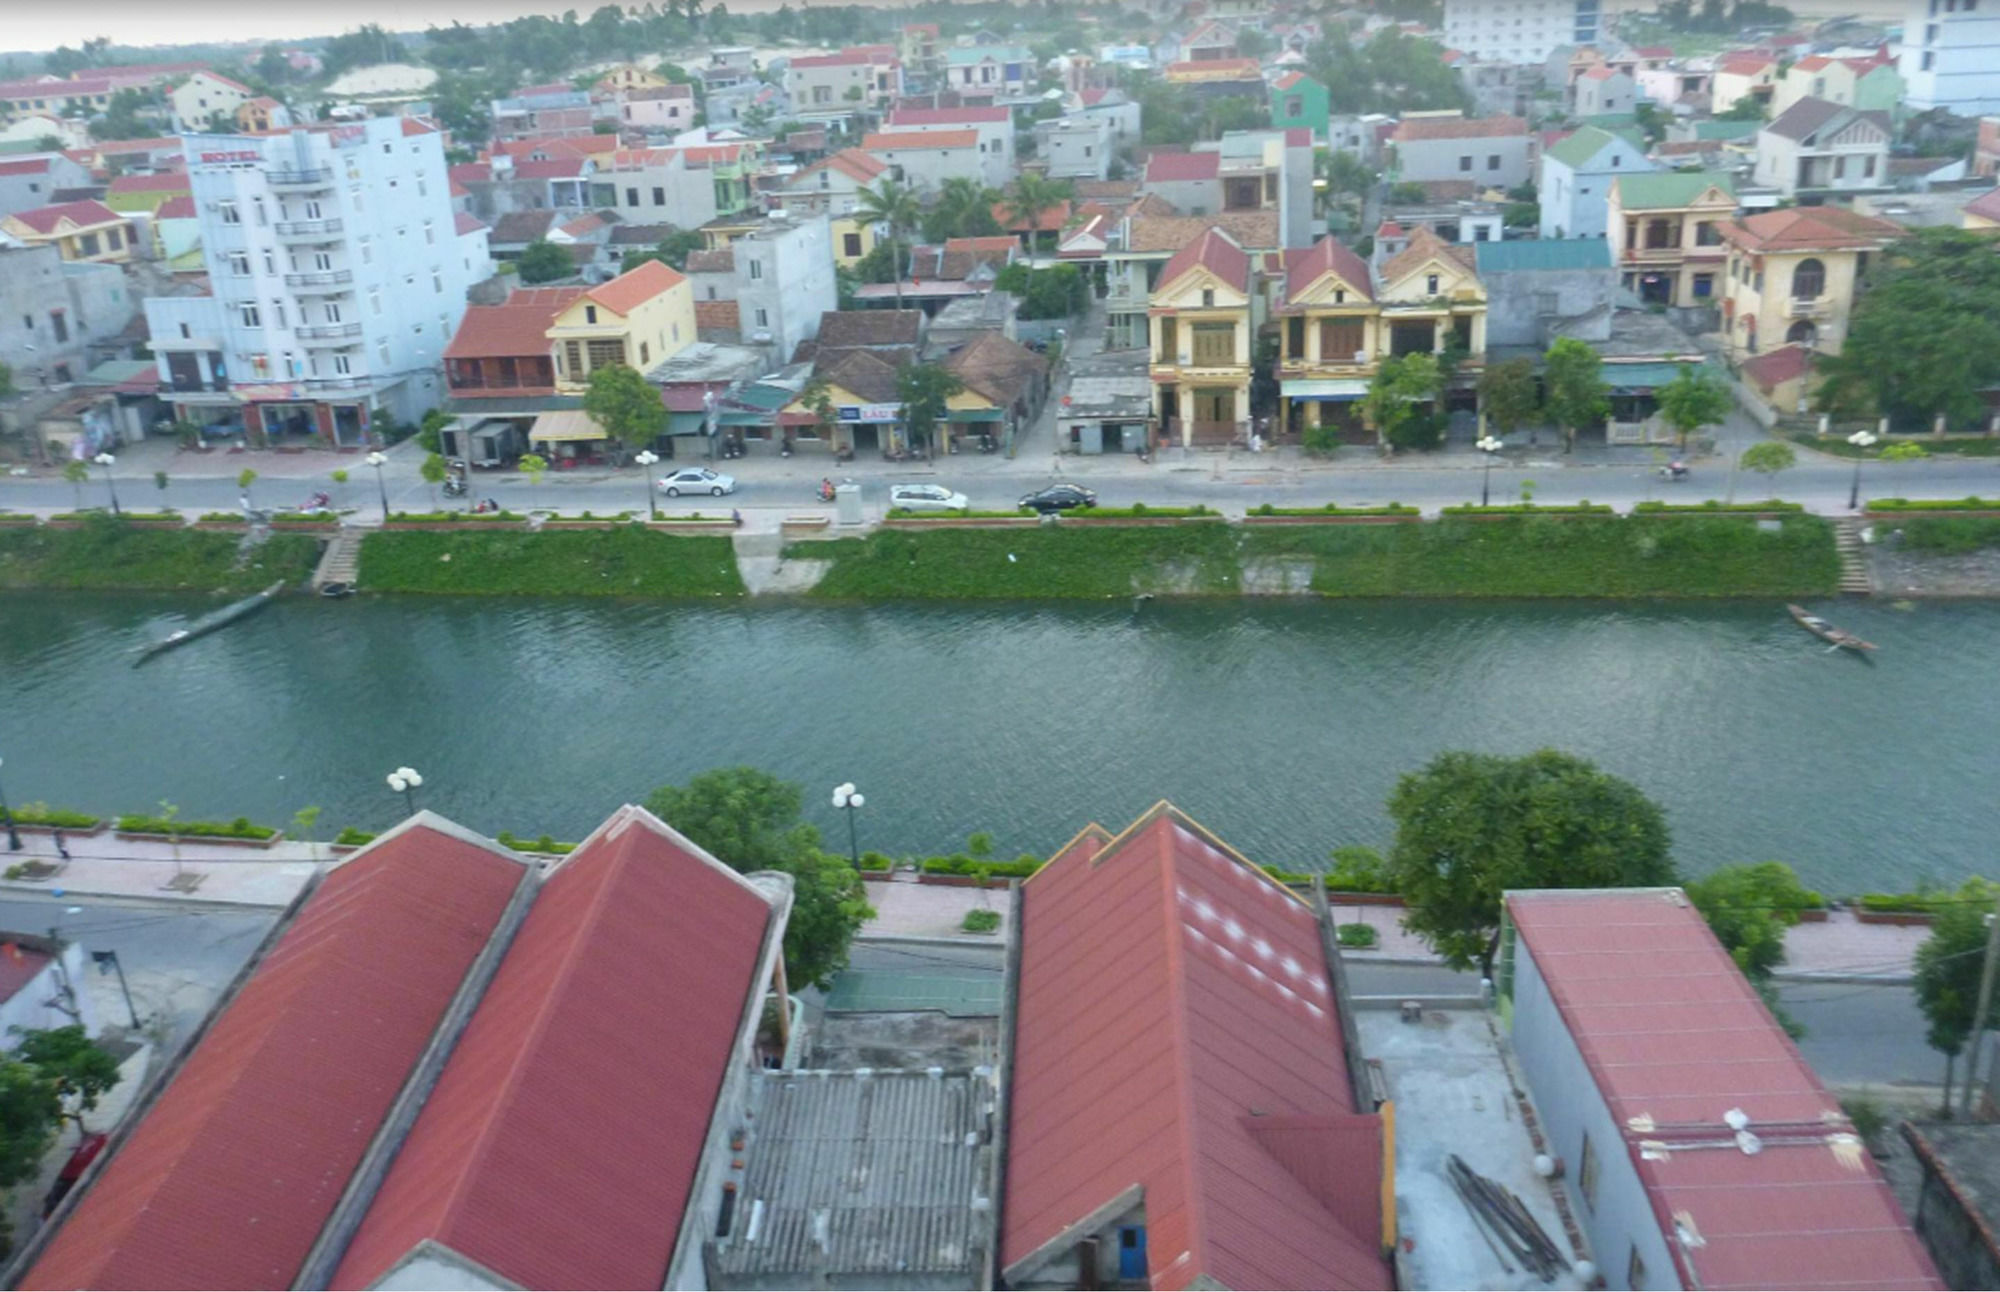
{"x":922,"y":497}
{"x":697,"y":480}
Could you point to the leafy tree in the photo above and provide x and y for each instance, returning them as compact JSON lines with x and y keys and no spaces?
{"x":672,"y":250}
{"x":894,"y":204}
{"x":244,"y":479}
{"x":160,"y":482}
{"x":924,"y":389}
{"x":30,"y":1115}
{"x":749,"y":820}
{"x":1903,"y":451}
{"x":1691,"y":401}
{"x":1392,"y":72}
{"x":1747,"y":108}
{"x":1346,"y":175}
{"x":363,"y":47}
{"x":1029,"y":197}
{"x":1252,"y":43}
{"x":1925,"y":337}
{"x":1394,"y":399}
{"x":626,"y":405}
{"x":1749,"y":908}
{"x":1471,"y":826}
{"x":964,"y":209}
{"x":533,"y":465}
{"x":1509,"y":394}
{"x":1948,"y":968}
{"x":76,"y":1067}
{"x":76,"y":473}
{"x":433,"y":470}
{"x":542,"y":261}
{"x":1768,"y":457}
{"x":1577,"y":395}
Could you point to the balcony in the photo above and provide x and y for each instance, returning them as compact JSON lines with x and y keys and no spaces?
{"x":1815,"y":308}
{"x":298,"y":181}
{"x":327,"y":282}
{"x":330,"y":335}
{"x":307,"y":230}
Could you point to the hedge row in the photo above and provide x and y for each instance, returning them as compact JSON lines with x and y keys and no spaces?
{"x":1934,"y":504}
{"x":1679,"y":508}
{"x":55,"y":818}
{"x":1584,"y":508}
{"x":960,"y":864}
{"x":1335,"y":509}
{"x":240,"y":828}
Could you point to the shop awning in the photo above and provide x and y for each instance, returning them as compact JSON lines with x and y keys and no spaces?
{"x":1344,"y":388}
{"x":973,"y":415}
{"x":570,"y":425}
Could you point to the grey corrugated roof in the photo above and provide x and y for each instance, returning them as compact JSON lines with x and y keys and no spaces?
{"x":871,"y":991}
{"x":1543,"y":253}
{"x":861,"y":1179}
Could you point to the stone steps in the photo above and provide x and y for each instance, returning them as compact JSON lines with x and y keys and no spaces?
{"x":1854,"y":580}
{"x":341,"y":561}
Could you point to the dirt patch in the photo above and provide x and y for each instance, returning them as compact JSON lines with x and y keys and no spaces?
{"x":1278,"y":576}
{"x":1899,"y":572}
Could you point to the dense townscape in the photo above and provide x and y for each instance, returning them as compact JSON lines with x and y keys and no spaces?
{"x":1501,"y":299}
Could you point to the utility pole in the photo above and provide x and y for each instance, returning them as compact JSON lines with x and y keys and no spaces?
{"x":1979,"y":1014}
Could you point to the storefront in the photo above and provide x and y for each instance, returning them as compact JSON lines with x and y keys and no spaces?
{"x":567,"y":439}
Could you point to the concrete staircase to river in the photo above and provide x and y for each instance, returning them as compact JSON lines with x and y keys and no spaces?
{"x":1854,"y":580}
{"x":341,"y":561}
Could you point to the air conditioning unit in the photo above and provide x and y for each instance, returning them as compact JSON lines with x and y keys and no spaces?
{"x":1361,"y":356}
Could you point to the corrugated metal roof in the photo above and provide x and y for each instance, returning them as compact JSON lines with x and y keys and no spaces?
{"x":1171,"y":998}
{"x":230,"y":1177}
{"x":879,"y":991}
{"x":1542,"y":253}
{"x":883,"y":1178}
{"x":561,"y":1142}
{"x":1675,"y":1037}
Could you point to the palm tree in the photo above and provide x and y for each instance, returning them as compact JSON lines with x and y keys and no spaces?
{"x":1030,"y":195}
{"x":895,"y":204}
{"x":964,"y":209}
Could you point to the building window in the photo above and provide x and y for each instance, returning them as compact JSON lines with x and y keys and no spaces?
{"x":763,"y":318}
{"x":332,"y":312}
{"x":271,"y":263}
{"x":1635,"y":1269}
{"x":1586,"y":1173}
{"x":228,"y":213}
{"x":375,"y":301}
{"x":1431,"y":284}
{"x":247,"y":310}
{"x":239,"y":263}
{"x":756,"y":270}
{"x":277,"y":314}
{"x":1465,"y":163}
{"x":1208,"y":298}
{"x":1493,"y":161}
{"x":645,"y":352}
{"x":631,"y":196}
{"x":850,"y":244}
{"x":1339,"y":340}
{"x":60,"y":324}
{"x":342,"y":364}
{"x":1809,"y":280}
{"x":430,"y":234}
{"x":659,"y":196}
{"x":1215,"y":344}
{"x":1706,"y":235}
{"x":590,"y":314}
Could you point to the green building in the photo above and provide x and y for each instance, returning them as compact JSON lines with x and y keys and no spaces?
{"x":1299,"y":100}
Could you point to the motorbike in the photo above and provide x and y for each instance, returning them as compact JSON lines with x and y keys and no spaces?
{"x":485,"y":505}
{"x":318,"y":502}
{"x":987,"y":444}
{"x":454,"y":486}
{"x":825,"y":491}
{"x":1674,"y":471}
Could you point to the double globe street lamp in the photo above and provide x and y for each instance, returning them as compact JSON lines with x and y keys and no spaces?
{"x":1488,"y":445}
{"x":404,"y":781}
{"x":378,"y":461}
{"x":1863,"y":439}
{"x":846,"y":796}
{"x":646,"y":458}
{"x":106,"y":461}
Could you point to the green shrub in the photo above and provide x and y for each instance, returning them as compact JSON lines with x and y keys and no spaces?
{"x":1922,"y":902}
{"x":240,"y":828}
{"x":960,"y":864}
{"x":621,"y":561}
{"x":105,"y":553}
{"x":1358,"y":870}
{"x":1949,"y":535}
{"x":1865,"y":1111}
{"x":1335,"y":509}
{"x":1712,"y":505}
{"x":1584,"y":508}
{"x":980,"y":920}
{"x":55,"y":818}
{"x":1359,"y":937}
{"x":353,"y":838}
{"x":546,"y":844}
{"x":875,"y":861}
{"x":1973,"y":503}
{"x":223,"y":517}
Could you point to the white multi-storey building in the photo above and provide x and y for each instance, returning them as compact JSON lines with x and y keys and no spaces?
{"x":1518,"y":31}
{"x":1951,"y":56}
{"x":338,"y":272}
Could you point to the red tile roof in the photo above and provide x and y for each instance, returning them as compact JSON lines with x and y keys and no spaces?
{"x":169,"y":182}
{"x":1177,"y":1030}
{"x":636,"y":286}
{"x":909,"y":117}
{"x":464,"y":223}
{"x":228,"y":1180}
{"x":1215,"y":69}
{"x":1169,"y":167}
{"x":851,"y":162}
{"x":84,"y":215}
{"x":1674,"y":1035}
{"x":1815,"y":228}
{"x":220,"y":79}
{"x":18,"y":966}
{"x":1458,"y":128}
{"x":1772,"y":368}
{"x":1049,"y":218}
{"x":1307,"y":266}
{"x":908,"y":139}
{"x":1216,"y":252}
{"x":560,"y":1144}
{"x":26,"y":166}
{"x":1745,"y":64}
{"x":718,"y":316}
{"x":1986,"y":205}
{"x":178,"y":207}
{"x":553,"y":168}
{"x":846,"y":58}
{"x":515,"y":330}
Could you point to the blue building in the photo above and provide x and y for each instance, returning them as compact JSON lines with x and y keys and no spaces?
{"x":1576,"y":178}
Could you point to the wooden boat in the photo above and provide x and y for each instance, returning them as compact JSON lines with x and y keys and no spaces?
{"x":208,"y":623}
{"x":1826,"y":632}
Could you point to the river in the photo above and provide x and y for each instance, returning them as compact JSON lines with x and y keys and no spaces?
{"x":1283,"y":726}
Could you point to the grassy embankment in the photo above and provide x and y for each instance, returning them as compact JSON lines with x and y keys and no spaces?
{"x":625,"y":561}
{"x":111,"y":555}
{"x":1948,"y":535}
{"x":1505,"y":556}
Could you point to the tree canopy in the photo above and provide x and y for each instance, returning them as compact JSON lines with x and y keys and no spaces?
{"x":1749,"y":908}
{"x":1395,"y":398}
{"x":924,"y":389}
{"x":78,"y":1068}
{"x":1471,"y":826}
{"x":749,"y":820}
{"x":543,"y":261}
{"x":1509,"y":394}
{"x":1577,"y":395}
{"x":1392,"y":72}
{"x":1948,"y":969}
{"x":626,"y":405}
{"x":672,"y":250}
{"x":1693,"y":400}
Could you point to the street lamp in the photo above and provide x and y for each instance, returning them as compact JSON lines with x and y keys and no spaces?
{"x":106,"y":461}
{"x":404,"y":780}
{"x":1863,"y":439}
{"x":1488,"y":445}
{"x":646,"y":458}
{"x":846,"y":796}
{"x":378,"y":461}
{"x":14,"y":835}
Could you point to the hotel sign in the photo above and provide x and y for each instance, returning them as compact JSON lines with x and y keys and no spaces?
{"x":239,"y":157}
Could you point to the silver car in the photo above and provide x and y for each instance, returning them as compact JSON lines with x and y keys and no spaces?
{"x":925,"y":497}
{"x":697,"y":480}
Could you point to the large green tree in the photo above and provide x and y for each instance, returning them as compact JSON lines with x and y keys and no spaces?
{"x":78,"y":1069}
{"x":894,"y":205}
{"x":1028,"y":198}
{"x":542,"y":261}
{"x":964,"y":209}
{"x":924,"y":389}
{"x":1509,"y":395}
{"x":1750,"y":908}
{"x":1691,"y":401}
{"x":1471,"y":826}
{"x":1577,"y":395}
{"x":626,"y":405}
{"x":1948,"y":969}
{"x":1925,"y":337}
{"x":1395,"y":400}
{"x":749,"y":820}
{"x":672,"y":250}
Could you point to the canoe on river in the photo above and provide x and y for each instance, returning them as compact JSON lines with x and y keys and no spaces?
{"x":1826,"y":632}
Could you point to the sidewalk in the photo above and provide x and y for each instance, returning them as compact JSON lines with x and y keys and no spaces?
{"x":207,"y":874}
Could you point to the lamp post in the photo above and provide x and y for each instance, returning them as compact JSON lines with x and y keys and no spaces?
{"x":1863,"y":439}
{"x":1488,"y":445}
{"x":846,"y":796}
{"x":106,"y":962}
{"x":646,"y":458}
{"x":378,"y":461}
{"x":106,"y":461}
{"x":404,"y":781}
{"x":13,"y":834}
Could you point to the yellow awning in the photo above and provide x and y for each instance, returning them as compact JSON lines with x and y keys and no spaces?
{"x":567,"y":424}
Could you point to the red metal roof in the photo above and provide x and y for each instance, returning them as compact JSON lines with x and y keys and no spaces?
{"x":1414,"y":128}
{"x":1986,"y":205}
{"x":1176,"y":1030}
{"x":1167,"y":167}
{"x":561,"y":1142}
{"x":1306,"y":266}
{"x":904,"y":118}
{"x":167,"y":182}
{"x":234,"y":1171}
{"x":1216,"y":252}
{"x":82,"y":215}
{"x":1675,"y":1037}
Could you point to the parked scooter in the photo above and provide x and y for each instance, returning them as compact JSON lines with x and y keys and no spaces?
{"x":987,"y":444}
{"x":454,"y":486}
{"x":1674,"y":471}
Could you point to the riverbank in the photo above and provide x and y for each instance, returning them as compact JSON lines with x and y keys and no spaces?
{"x":1544,"y":554}
{"x":1935,"y":556}
{"x":107,"y":555}
{"x":618,"y":561}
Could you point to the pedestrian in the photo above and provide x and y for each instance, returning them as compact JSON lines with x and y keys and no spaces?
{"x":62,"y":850}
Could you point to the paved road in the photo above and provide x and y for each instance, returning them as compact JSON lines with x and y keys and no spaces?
{"x":177,"y":959}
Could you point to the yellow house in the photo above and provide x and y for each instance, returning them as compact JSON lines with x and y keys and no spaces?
{"x":637,"y":319}
{"x":1666,"y":234}
{"x":1201,"y":327}
{"x":1983,"y":212}
{"x":88,"y":231}
{"x":1791,"y":276}
{"x":630,"y":76}
{"x":852,"y":240}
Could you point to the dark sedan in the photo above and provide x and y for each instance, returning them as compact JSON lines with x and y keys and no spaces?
{"x":1062,"y":497}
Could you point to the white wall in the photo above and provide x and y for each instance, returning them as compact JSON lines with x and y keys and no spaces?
{"x":30,"y":1008}
{"x":1951,"y":59}
{"x":1570,"y":1106}
{"x":1438,"y":159}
